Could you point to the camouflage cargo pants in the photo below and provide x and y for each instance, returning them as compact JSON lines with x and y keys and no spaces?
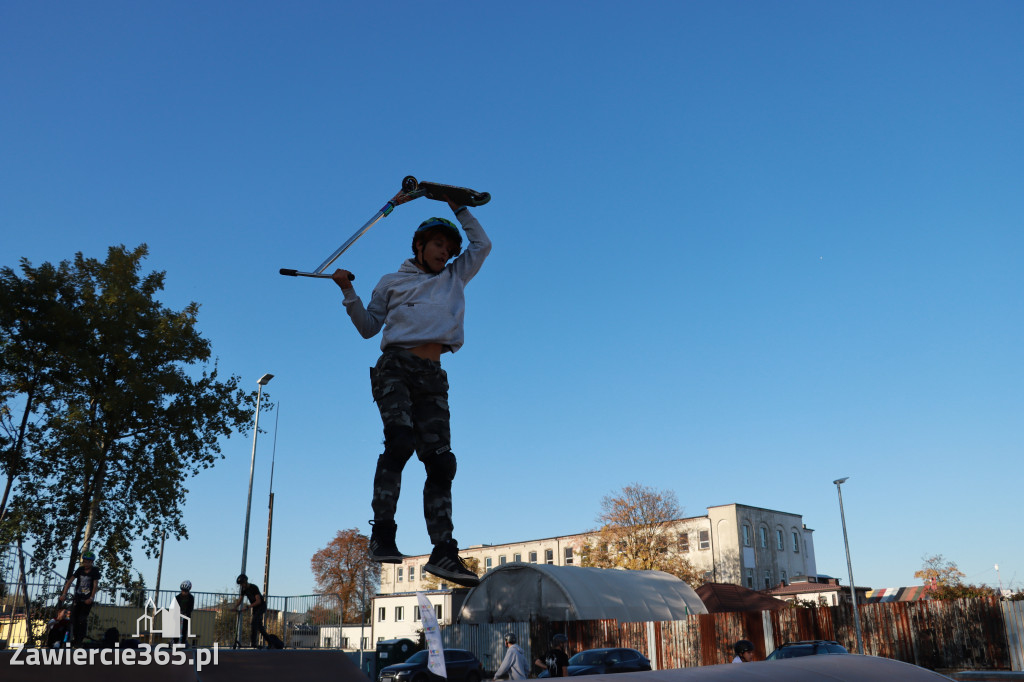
{"x":412,"y":396}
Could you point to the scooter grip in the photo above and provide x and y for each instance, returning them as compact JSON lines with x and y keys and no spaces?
{"x":288,"y":272}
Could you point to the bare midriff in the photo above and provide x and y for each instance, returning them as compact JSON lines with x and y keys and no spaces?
{"x":428,"y":351}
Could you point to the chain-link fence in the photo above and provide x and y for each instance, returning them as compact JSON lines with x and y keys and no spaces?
{"x":28,"y":600}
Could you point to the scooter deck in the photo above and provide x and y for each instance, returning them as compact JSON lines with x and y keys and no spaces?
{"x":435,"y":190}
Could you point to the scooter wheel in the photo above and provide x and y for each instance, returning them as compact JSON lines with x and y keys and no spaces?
{"x":409,"y":184}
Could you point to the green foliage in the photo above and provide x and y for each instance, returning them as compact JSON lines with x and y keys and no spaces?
{"x":107,"y":405}
{"x":226,"y":624}
{"x":134,"y":593}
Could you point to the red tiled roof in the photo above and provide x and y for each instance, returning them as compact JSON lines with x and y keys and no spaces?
{"x":729,"y":598}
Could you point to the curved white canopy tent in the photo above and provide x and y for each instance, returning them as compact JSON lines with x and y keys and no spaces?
{"x":515,"y":592}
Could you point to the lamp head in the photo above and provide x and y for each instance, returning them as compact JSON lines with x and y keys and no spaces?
{"x":265,"y":379}
{"x":841,"y":480}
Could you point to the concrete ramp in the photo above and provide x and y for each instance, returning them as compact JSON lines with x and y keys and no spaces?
{"x":231,"y":666}
{"x":851,"y":668}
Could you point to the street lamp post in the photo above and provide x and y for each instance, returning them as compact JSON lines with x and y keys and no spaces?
{"x":849,"y":565}
{"x":263,"y":381}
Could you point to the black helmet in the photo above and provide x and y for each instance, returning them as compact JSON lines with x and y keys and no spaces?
{"x":743,"y":646}
{"x":510,"y":638}
{"x":242,"y":578}
{"x":559,"y":639}
{"x":445,"y":227}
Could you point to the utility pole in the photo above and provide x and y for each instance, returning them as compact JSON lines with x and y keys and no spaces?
{"x":270,"y":506}
{"x":849,"y":565}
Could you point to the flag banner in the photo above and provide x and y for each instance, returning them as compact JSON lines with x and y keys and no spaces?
{"x":435,"y":650}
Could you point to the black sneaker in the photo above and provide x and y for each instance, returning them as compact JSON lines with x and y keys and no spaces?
{"x":382,"y":543}
{"x":446,"y":563}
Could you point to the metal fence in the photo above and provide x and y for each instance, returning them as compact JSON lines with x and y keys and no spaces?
{"x":28,"y":599}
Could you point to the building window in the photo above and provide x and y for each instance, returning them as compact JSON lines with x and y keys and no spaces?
{"x":767,"y":579}
{"x":400,"y":572}
{"x":568,"y":556}
{"x":684,"y":542}
{"x":327,"y":643}
{"x":533,"y":557}
{"x":549,"y":556}
{"x":416,"y":613}
{"x":796,"y":542}
{"x":380,"y":614}
{"x":517,"y":557}
{"x":764,"y":537}
{"x":746,"y":535}
{"x":785,"y":578}
{"x":487,"y":564}
{"x":439,"y":612}
{"x":412,"y":573}
{"x":750,"y":578}
{"x":704,"y":539}
{"x":344,"y":643}
{"x":501,"y":560}
{"x":399,"y":613}
{"x":780,"y":544}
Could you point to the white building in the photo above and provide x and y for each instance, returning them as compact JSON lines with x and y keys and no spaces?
{"x":348,"y":637}
{"x":733,"y":543}
{"x":397,"y":614}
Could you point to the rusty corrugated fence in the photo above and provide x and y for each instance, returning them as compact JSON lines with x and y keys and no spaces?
{"x":963,"y":634}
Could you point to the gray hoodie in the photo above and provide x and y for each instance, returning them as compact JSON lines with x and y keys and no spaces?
{"x":514,"y":664}
{"x":417,"y":307}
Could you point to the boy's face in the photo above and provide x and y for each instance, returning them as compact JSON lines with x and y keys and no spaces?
{"x":435,"y":252}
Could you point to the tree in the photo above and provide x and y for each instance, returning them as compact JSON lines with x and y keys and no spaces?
{"x":344,"y":571}
{"x":118,"y":409}
{"x":226,"y":623}
{"x":637,"y":533}
{"x":29,"y":345}
{"x":943,"y":580}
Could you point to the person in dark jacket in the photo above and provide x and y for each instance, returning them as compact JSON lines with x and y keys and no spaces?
{"x":256,"y":604}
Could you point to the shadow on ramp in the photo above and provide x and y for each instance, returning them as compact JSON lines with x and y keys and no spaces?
{"x":851,"y":668}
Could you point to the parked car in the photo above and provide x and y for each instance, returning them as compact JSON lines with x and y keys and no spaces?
{"x":811,"y":647}
{"x":461,"y":666}
{"x":604,"y":661}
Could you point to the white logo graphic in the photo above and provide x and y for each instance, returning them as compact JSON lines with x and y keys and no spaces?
{"x":170,"y":621}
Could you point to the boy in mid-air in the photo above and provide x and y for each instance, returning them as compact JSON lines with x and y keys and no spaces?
{"x":421,"y":308}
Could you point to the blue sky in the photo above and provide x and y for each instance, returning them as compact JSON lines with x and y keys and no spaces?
{"x":740,"y":250}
